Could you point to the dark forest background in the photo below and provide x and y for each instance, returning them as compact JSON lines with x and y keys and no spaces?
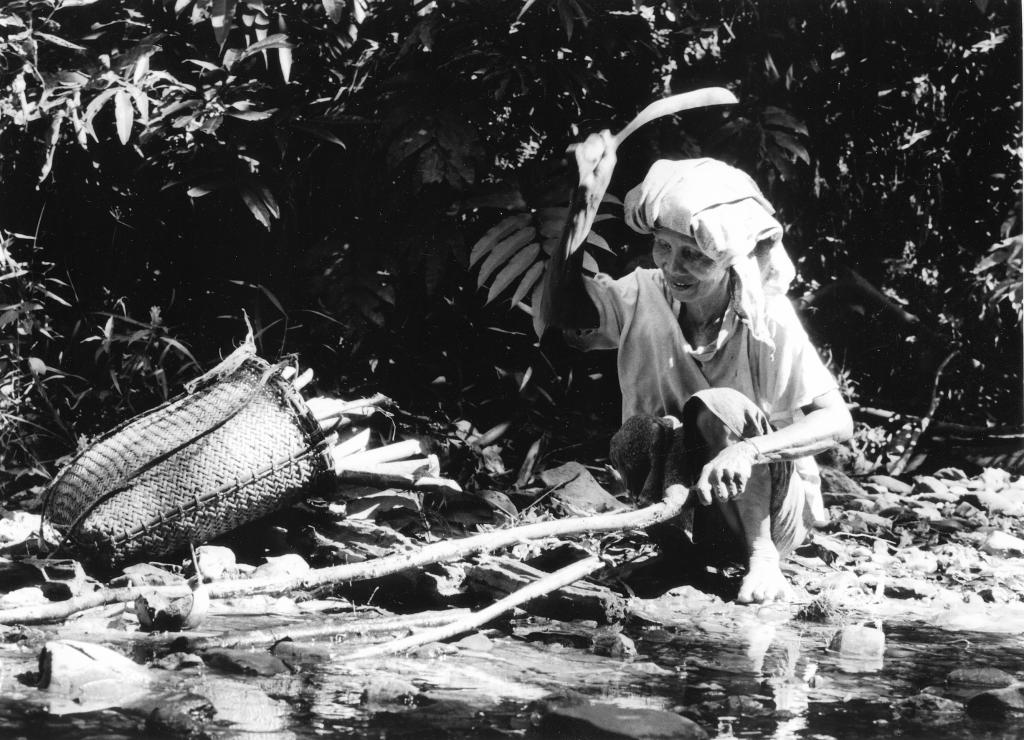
{"x":326,"y":168}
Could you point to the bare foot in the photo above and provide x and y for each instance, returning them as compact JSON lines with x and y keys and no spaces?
{"x":764,"y":581}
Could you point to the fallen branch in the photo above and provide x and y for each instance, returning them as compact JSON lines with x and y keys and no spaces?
{"x":672,"y":505}
{"x":331,"y":629}
{"x":540,"y":587}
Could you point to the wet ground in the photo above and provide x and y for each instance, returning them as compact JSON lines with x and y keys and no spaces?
{"x":738,"y":671}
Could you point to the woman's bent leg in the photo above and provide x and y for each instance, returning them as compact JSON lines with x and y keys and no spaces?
{"x":768,"y":513}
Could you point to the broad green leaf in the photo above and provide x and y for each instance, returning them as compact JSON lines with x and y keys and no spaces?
{"x":57,"y":41}
{"x":269,"y":200}
{"x":318,"y":131}
{"x":789,"y":143}
{"x":123,"y":114}
{"x":335,"y":9}
{"x":589,"y":263}
{"x":531,"y":276}
{"x":599,"y":241}
{"x":93,"y":108}
{"x":779,"y":118}
{"x":284,"y":54}
{"x":515,"y":267}
{"x":252,"y":115}
{"x":256,"y":206}
{"x":277,"y":41}
{"x":503,"y":251}
{"x":37,"y":366}
{"x":222,"y":13}
{"x":495,"y":234}
{"x":141,"y":102}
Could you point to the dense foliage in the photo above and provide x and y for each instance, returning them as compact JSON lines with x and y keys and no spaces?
{"x":326,"y":166}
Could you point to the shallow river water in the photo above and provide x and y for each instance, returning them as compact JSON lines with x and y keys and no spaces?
{"x":739,"y":671}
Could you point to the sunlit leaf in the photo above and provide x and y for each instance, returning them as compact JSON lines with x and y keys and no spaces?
{"x":222,"y":13}
{"x":284,"y":54}
{"x":503,"y":252}
{"x":515,"y":267}
{"x":531,"y":276}
{"x":495,"y":234}
{"x":335,"y":9}
{"x":123,"y":115}
{"x":589,"y":263}
{"x":599,"y":241}
{"x":277,"y":41}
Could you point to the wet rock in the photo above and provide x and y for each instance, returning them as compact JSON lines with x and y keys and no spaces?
{"x":928,"y":708}
{"x":997,"y":595}
{"x":909,"y":588}
{"x":609,"y":721}
{"x":984,"y":676}
{"x":90,"y":675}
{"x":181,"y":717}
{"x":476,"y":641}
{"x":282,"y":566}
{"x":926,"y":487}
{"x":26,"y":596}
{"x":178,"y":662}
{"x":859,"y":641}
{"x":246,"y":707}
{"x":145,"y":574}
{"x":1000,"y":503}
{"x":890,"y":483}
{"x":384,"y":690}
{"x":301,"y":652}
{"x":17,"y":526}
{"x":997,"y":703}
{"x":747,"y":706}
{"x":918,"y":560}
{"x":433,"y":650}
{"x":1002,"y":543}
{"x":951,"y":474}
{"x":214,"y":560}
{"x":576,"y":489}
{"x":244,"y":662}
{"x":614,"y":645}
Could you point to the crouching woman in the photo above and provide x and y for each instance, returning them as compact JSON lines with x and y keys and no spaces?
{"x":722,"y":391}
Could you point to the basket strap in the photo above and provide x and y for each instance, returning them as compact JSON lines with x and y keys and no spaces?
{"x":126,"y":480}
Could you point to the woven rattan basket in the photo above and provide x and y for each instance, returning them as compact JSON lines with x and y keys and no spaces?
{"x":238,"y":445}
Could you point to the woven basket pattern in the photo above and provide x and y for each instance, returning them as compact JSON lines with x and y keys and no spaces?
{"x":188,"y":471}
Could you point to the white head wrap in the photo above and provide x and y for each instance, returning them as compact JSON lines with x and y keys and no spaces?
{"x":723,"y":210}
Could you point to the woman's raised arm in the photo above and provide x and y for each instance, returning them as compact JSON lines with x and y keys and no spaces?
{"x":565,"y":303}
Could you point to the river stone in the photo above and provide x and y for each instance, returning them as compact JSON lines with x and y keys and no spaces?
{"x":215,"y":560}
{"x":282,"y":566}
{"x":68,"y":665}
{"x":984,"y":676}
{"x":181,"y":717}
{"x":476,"y":641}
{"x":614,"y":645}
{"x":610,"y":721}
{"x":244,"y":662}
{"x":858,"y":641}
{"x":382,"y":690}
{"x":997,"y":702}
{"x":433,"y":650}
{"x":926,"y":484}
{"x":909,"y":588}
{"x":27,"y":596}
{"x":928,"y":708}
{"x":894,"y":485}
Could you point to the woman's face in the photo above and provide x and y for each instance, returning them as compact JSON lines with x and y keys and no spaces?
{"x":689,"y":273}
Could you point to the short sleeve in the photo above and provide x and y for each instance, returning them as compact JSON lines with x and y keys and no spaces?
{"x":793,"y":375}
{"x":615,"y":301}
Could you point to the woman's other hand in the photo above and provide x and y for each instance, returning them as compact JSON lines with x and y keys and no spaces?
{"x":726,"y":475}
{"x":595,"y":158}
